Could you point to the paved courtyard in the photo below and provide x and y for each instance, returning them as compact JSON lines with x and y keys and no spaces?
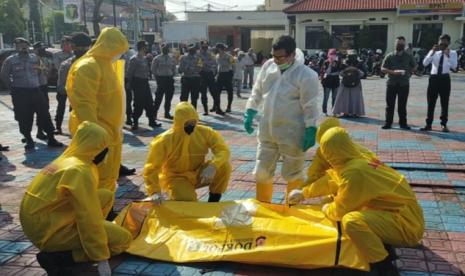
{"x":434,"y":163}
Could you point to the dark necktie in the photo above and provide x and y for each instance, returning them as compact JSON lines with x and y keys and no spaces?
{"x":441,"y":64}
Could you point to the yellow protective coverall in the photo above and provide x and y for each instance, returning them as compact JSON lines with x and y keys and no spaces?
{"x":96,"y":95}
{"x":62,"y":208}
{"x":319,"y":165}
{"x":374,"y":202}
{"x":176,"y":159}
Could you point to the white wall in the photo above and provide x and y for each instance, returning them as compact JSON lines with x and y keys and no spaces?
{"x":239,"y":18}
{"x":397,"y":25}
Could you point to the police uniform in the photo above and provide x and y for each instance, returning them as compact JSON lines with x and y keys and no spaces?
{"x":21,"y":73}
{"x":207,"y":74}
{"x":164,"y":68}
{"x":138,"y":75}
{"x":127,"y":87}
{"x":190,"y":66}
{"x":61,"y":91}
{"x":225,"y":77}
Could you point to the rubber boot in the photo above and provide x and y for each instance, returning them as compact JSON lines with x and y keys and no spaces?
{"x":56,"y":263}
{"x":212,"y":197}
{"x":265,"y":191}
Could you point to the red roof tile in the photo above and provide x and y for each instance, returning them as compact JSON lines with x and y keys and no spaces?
{"x":313,"y":6}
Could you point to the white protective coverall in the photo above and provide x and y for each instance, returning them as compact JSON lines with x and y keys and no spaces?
{"x":290,"y":106}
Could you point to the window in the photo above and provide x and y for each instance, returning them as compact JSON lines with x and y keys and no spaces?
{"x":314,"y":36}
{"x":426,"y":35}
{"x":289,"y":1}
{"x":344,"y":36}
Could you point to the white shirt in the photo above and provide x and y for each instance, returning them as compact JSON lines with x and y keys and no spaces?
{"x":249,"y":60}
{"x":434,"y":58}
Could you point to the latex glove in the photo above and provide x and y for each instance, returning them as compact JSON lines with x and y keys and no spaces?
{"x":248,"y":120}
{"x":104,"y":268}
{"x":309,"y":138}
{"x":206,"y":176}
{"x":157,"y":198}
{"x":325,"y":207}
{"x":295,"y":197}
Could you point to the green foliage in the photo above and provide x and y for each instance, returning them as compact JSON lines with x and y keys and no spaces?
{"x":55,"y":24}
{"x":34,"y":16}
{"x":12,"y":22}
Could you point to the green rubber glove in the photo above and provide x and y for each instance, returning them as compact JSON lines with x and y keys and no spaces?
{"x":309,"y":138}
{"x":248,"y":120}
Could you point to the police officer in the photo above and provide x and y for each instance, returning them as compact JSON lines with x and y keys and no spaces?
{"x":39,"y":51}
{"x":80,"y":43}
{"x":190,"y":66}
{"x":208,"y":79}
{"x":64,"y":54}
{"x":127,"y":85}
{"x":225,"y":74}
{"x":164,"y":68}
{"x":138,"y":75}
{"x":21,"y":73}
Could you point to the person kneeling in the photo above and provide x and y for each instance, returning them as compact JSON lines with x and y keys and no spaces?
{"x":63,"y":213}
{"x":176,"y":161}
{"x":374,"y":203}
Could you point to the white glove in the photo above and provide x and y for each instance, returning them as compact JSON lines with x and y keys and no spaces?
{"x":325,"y":207}
{"x":295,"y":196}
{"x":206,"y":177}
{"x":157,"y":198}
{"x":104,"y":268}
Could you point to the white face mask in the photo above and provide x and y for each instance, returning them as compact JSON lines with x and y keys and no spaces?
{"x":116,"y":58}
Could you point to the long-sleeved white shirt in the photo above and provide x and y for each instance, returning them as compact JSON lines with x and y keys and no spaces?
{"x":434,"y":58}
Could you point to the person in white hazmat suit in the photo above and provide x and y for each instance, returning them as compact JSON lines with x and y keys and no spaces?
{"x":288,"y":91}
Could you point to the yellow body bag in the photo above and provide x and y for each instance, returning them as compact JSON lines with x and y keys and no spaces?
{"x":245,"y":231}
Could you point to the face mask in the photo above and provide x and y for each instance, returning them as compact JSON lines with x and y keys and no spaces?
{"x":189,"y":129}
{"x":284,"y":66}
{"x":79,"y":53}
{"x":100,"y":157}
{"x":400,"y":47}
{"x":116,"y":58}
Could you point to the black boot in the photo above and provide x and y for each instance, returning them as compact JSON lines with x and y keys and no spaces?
{"x":29,"y":143}
{"x":56,"y":263}
{"x":41,"y":135}
{"x":214,"y":197}
{"x":154,"y":124}
{"x":52,"y":142}
{"x":112,"y":215}
{"x":135,"y":125}
{"x":124,"y":171}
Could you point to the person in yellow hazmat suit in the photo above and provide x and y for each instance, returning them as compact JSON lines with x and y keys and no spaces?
{"x":288,"y":91}
{"x":320,"y":165}
{"x":63,"y":211}
{"x":373,"y":202}
{"x":96,"y":95}
{"x":176,"y":161}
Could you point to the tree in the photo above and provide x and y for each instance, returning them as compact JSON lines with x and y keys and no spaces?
{"x":12,"y":22}
{"x":55,"y":23}
{"x":34,"y":16}
{"x":170,"y":16}
{"x":96,"y":17}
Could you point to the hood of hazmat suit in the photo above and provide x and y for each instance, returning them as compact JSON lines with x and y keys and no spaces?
{"x":94,"y":89}
{"x":175,"y":154}
{"x":368,"y":184}
{"x":64,"y":196}
{"x":319,"y":164}
{"x":288,"y":101}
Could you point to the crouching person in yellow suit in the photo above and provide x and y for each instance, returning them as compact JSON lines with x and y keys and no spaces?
{"x":374,"y":203}
{"x":176,"y":161}
{"x":63,"y":213}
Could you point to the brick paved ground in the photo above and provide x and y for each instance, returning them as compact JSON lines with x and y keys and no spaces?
{"x":434,"y":163}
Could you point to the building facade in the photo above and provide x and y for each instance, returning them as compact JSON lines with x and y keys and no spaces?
{"x":374,"y":24}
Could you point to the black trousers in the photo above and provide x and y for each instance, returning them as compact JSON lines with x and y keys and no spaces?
{"x":44,"y":91}
{"x":401,"y":92}
{"x":142,"y":99}
{"x":438,"y":86}
{"x":61,"y":107}
{"x":165,"y":87}
{"x":208,"y":81}
{"x":190,"y":86}
{"x":128,"y":89}
{"x":224,"y":81}
{"x":26,"y":102}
